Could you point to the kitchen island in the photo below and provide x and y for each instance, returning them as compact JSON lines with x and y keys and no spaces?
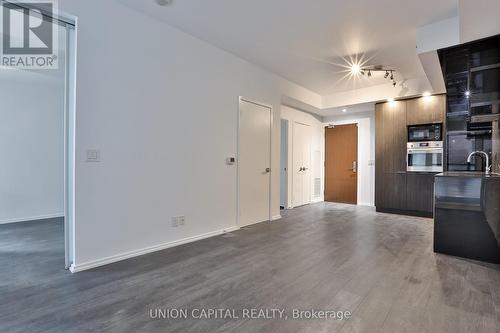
{"x":467,"y":215}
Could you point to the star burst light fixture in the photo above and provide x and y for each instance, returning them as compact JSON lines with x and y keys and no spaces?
{"x":357,"y":67}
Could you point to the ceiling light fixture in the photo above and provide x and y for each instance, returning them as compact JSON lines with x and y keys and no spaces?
{"x":344,"y":110}
{"x":389,"y":72}
{"x":467,"y":94}
{"x":391,"y":99}
{"x":356,"y":69}
{"x":426,"y":94}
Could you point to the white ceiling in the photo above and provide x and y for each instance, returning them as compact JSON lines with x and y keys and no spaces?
{"x":307,"y":41}
{"x":347,"y":110}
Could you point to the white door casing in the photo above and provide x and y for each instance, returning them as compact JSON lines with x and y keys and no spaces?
{"x":254,"y":162}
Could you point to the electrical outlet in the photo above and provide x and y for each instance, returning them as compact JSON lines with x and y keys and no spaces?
{"x":175,"y":222}
{"x":182,"y":220}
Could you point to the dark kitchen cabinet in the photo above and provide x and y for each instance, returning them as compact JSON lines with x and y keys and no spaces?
{"x":396,"y":190}
{"x":392,"y":136}
{"x":392,"y":192}
{"x":426,"y":110}
{"x":390,"y":180}
{"x":472,"y":77}
{"x":420,"y":192}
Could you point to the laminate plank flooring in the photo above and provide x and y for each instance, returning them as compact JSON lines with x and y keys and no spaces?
{"x":325,"y":256}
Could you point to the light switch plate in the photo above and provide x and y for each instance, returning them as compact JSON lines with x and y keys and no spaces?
{"x":93,"y":155}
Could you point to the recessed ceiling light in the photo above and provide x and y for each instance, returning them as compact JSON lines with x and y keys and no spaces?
{"x":467,"y":94}
{"x":344,"y":110}
{"x":391,"y":99}
{"x":426,"y":94}
{"x":355,"y":69}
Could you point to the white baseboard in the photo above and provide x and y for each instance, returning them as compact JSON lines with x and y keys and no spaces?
{"x":127,"y":255}
{"x":365,"y":204}
{"x":31,"y":218}
{"x":276,"y":217}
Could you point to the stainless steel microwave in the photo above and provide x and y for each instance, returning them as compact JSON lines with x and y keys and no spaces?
{"x":425,"y":133}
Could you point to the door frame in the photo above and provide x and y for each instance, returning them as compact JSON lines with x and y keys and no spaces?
{"x":366,"y":162}
{"x":358,"y":177}
{"x":238,"y":187}
{"x":68,"y":22}
{"x":285,"y":168}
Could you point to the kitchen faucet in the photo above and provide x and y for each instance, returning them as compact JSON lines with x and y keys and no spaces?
{"x":488,"y":166}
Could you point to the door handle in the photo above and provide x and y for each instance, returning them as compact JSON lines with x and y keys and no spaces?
{"x":354,"y":166}
{"x":305,"y":169}
{"x":268,"y":170}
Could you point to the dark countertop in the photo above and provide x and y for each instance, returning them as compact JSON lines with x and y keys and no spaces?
{"x":468,"y":174}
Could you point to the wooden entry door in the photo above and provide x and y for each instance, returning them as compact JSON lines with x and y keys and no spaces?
{"x":341,"y":164}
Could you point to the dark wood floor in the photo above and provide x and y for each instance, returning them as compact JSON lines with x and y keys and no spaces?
{"x":325,"y":256}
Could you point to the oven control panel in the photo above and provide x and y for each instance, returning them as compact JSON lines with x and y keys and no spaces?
{"x":425,"y":145}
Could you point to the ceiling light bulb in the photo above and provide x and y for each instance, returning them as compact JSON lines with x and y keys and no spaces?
{"x":355,"y":69}
{"x":344,"y":110}
{"x":467,"y":94}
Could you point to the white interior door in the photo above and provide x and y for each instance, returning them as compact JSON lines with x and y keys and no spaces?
{"x":301,"y":161}
{"x":307,"y":166}
{"x":254,"y":163}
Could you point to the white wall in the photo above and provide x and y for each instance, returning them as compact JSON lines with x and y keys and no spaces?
{"x":317,"y":144}
{"x":31,"y":145}
{"x":162,"y":108}
{"x":366,"y":151}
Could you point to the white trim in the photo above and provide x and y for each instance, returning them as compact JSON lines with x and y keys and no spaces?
{"x":276,"y":217}
{"x":365,"y":204}
{"x":356,"y":122}
{"x":292,"y":202}
{"x":127,"y":255}
{"x":271,"y":115}
{"x":31,"y":218}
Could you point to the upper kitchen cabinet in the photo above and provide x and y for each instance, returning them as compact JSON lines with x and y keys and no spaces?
{"x":391,"y":136}
{"x":426,"y":110}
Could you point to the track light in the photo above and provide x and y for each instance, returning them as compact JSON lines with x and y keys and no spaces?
{"x":357,"y":69}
